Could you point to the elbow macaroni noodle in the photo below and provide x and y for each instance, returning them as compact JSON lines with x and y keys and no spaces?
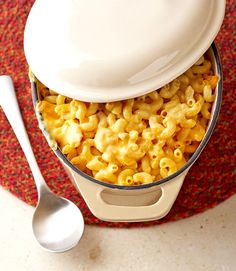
{"x":136,"y":141}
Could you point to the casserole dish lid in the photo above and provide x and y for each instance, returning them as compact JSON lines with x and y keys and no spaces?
{"x":101,"y":51}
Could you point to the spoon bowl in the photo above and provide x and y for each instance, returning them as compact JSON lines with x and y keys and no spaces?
{"x":57,"y":222}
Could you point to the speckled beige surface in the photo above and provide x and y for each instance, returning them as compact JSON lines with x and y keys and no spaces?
{"x":203,"y":242}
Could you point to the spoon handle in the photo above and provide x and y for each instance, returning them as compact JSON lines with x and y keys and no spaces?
{"x":9,"y":104}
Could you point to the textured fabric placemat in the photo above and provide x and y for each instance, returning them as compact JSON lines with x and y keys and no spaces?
{"x":211,"y":180}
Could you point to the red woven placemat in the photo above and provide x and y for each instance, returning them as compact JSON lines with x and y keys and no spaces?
{"x":211,"y":180}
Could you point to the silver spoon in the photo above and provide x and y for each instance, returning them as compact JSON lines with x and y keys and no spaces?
{"x":57,"y":222}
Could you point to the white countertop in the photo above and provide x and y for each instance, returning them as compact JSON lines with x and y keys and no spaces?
{"x":202,"y":242}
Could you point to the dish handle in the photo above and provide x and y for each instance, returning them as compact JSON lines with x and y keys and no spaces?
{"x":102,"y":201}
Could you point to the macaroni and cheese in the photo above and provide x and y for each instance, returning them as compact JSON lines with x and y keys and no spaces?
{"x":136,"y":141}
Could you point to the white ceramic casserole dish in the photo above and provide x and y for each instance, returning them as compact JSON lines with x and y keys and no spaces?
{"x":135,"y":203}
